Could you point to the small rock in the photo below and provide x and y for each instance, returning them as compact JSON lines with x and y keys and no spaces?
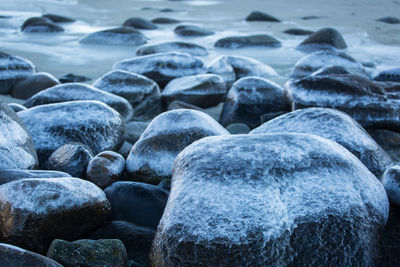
{"x":134,"y":130}
{"x":13,"y":175}
{"x":166,"y":10}
{"x":165,"y":21}
{"x":389,"y":20}
{"x":298,"y":32}
{"x":391,"y":182}
{"x":73,"y":78}
{"x":389,"y":75}
{"x":311,"y":17}
{"x":183,"y":47}
{"x":26,"y":88}
{"x":326,"y":38}
{"x":57,"y":18}
{"x":191,"y":31}
{"x":261,"y":16}
{"x":259,"y":40}
{"x":238,"y":128}
{"x":140,"y":23}
{"x":115,"y":36}
{"x":16,"y":107}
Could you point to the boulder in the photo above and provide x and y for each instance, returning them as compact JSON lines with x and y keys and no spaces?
{"x":389,"y":141}
{"x":261,"y":16}
{"x":73,"y":78}
{"x":222,"y":67}
{"x":295,"y":31}
{"x":162,"y":20}
{"x":134,"y":130}
{"x":326,"y":38}
{"x":42,"y":27}
{"x":389,"y":75}
{"x":391,"y":182}
{"x":331,"y":70}
{"x":389,"y":20}
{"x":125,"y":149}
{"x":115,"y":36}
{"x":191,"y":31}
{"x":258,"y":40}
{"x":33,"y":20}
{"x":140,"y":23}
{"x":183,"y":105}
{"x":183,"y":47}
{"x":13,"y":175}
{"x":40,"y":81}
{"x":58,"y":18}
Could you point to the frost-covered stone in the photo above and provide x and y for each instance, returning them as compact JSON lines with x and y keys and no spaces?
{"x":389,"y":75}
{"x":389,"y":141}
{"x":33,"y":84}
{"x":33,"y":20}
{"x":182,"y":47}
{"x":13,"y":175}
{"x":258,"y":40}
{"x":191,"y":31}
{"x":152,"y":156}
{"x":238,"y":128}
{"x":222,"y":67}
{"x":270,"y":200}
{"x":183,"y":105}
{"x":140,"y":23}
{"x":391,"y":182}
{"x":336,"y":126}
{"x":251,"y":97}
{"x":33,"y":212}
{"x":163,"y":67}
{"x":326,"y":38}
{"x":389,"y":20}
{"x":92,"y":123}
{"x":246,"y":66}
{"x":203,"y":90}
{"x":16,"y":144}
{"x":80,"y":91}
{"x":331,"y":70}
{"x":142,"y":93}
{"x":261,"y":16}
{"x":115,"y":36}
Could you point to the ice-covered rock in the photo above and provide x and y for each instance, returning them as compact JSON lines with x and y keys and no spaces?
{"x":134,"y":130}
{"x":33,"y":84}
{"x":222,"y":67}
{"x":389,"y":141}
{"x":336,"y":126}
{"x":92,"y":123}
{"x":152,"y":156}
{"x":261,"y":16}
{"x":191,"y":31}
{"x":389,"y":20}
{"x":258,"y":40}
{"x":73,"y":78}
{"x":389,"y":75}
{"x":115,"y":36}
{"x":183,"y":47}
{"x":183,"y":105}
{"x":13,"y":175}
{"x":80,"y":91}
{"x":238,"y":128}
{"x":327,"y":38}
{"x":270,"y":200}
{"x":140,"y":23}
{"x":33,"y":20}
{"x":331,"y":70}
{"x":33,"y":212}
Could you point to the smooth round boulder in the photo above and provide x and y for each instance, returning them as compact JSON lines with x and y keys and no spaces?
{"x":191,"y":31}
{"x":42,"y":27}
{"x":125,"y":149}
{"x":92,"y":123}
{"x":389,"y":141}
{"x":327,"y":38}
{"x":140,"y":23}
{"x":389,"y":20}
{"x":296,"y":195}
{"x":222,"y":67}
{"x":391,"y":182}
{"x":389,"y":75}
{"x":13,"y":175}
{"x":238,"y":128}
{"x":258,"y":40}
{"x":246,"y":66}
{"x":332,"y":70}
{"x":162,"y":20}
{"x":261,"y":16}
{"x":251,"y":97}
{"x":33,"y":212}
{"x":182,"y":47}
{"x":152,"y":156}
{"x":33,"y":84}
{"x":295,"y":31}
{"x":33,"y":20}
{"x":115,"y":36}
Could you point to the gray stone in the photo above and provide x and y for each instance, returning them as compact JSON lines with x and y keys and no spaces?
{"x":26,"y":88}
{"x":238,"y":128}
{"x":391,"y":182}
{"x":134,"y":130}
{"x":389,"y":141}
{"x":163,"y":20}
{"x":140,"y":23}
{"x":389,"y":20}
{"x":115,"y":36}
{"x":191,"y":31}
{"x":183,"y":47}
{"x":326,"y":38}
{"x":389,"y":75}
{"x":261,"y":16}
{"x":13,"y":175}
{"x":258,"y":40}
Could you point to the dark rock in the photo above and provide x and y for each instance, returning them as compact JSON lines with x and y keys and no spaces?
{"x":390,"y":75}
{"x":134,"y":130}
{"x":89,"y":253}
{"x":183,"y":105}
{"x":91,"y":123}
{"x":392,"y":89}
{"x":73,"y":78}
{"x":391,"y":241}
{"x":183,"y":47}
{"x":389,"y":141}
{"x":238,"y":128}
{"x":389,"y":20}
{"x":26,"y":88}
{"x":292,"y":197}
{"x":16,"y":107}
{"x":152,"y":156}
{"x":140,"y":23}
{"x":142,"y":93}
{"x":16,"y":144}
{"x":13,"y":175}
{"x":222,"y":67}
{"x":259,"y":40}
{"x":115,"y":36}
{"x":80,"y":91}
{"x":261,"y":16}
{"x":166,"y":10}
{"x":332,"y":70}
{"x":326,"y":38}
{"x":391,"y":182}
{"x":191,"y":31}
{"x":57,"y":18}
{"x":165,"y":21}
{"x":298,"y":32}
{"x":251,"y":97}
{"x":311,"y":17}
{"x":33,"y":20}
{"x":105,"y":169}
{"x":125,"y":149}
{"x":33,"y":212}
{"x":42,"y":27}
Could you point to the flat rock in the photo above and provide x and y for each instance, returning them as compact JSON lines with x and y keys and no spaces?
{"x":327,"y":38}
{"x":298,"y":32}
{"x":261,"y":16}
{"x":13,"y":175}
{"x":162,"y":20}
{"x":191,"y":31}
{"x":389,"y":20}
{"x":391,"y":182}
{"x":389,"y":75}
{"x":183,"y":47}
{"x":140,"y":23}
{"x":33,"y":84}
{"x":389,"y":141}
{"x":115,"y":36}
{"x":258,"y":40}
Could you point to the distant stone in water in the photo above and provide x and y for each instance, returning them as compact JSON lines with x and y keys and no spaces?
{"x":261,"y":16}
{"x":33,"y":84}
{"x":311,"y":17}
{"x":80,"y":91}
{"x":36,"y":211}
{"x":16,"y":107}
{"x":391,"y":182}
{"x":13,"y":175}
{"x":142,"y":93}
{"x":140,"y":23}
{"x":166,"y":10}
{"x":134,"y":130}
{"x":389,"y":141}
{"x":191,"y":31}
{"x":183,"y":105}
{"x":57,"y":18}
{"x":40,"y":25}
{"x":202,"y":90}
{"x":389,"y":20}
{"x":73,"y":78}
{"x":54,"y":125}
{"x":326,"y":38}
{"x":91,"y":253}
{"x":163,"y":67}
{"x":297,"y":195}
{"x":115,"y":36}
{"x":259,"y":40}
{"x":336,"y":126}
{"x":16,"y":143}
{"x":162,"y":20}
{"x":152,"y":156}
{"x":298,"y":32}
{"x":183,"y":47}
{"x":251,"y":97}
{"x":238,"y":128}
{"x":389,"y":75}
{"x":33,"y":20}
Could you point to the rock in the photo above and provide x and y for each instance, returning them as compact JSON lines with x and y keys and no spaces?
{"x":202,"y":90}
{"x":183,"y":105}
{"x":33,"y":20}
{"x":392,"y":89}
{"x":326,"y":38}
{"x":134,"y":130}
{"x":390,"y":251}
{"x":57,"y":18}
{"x":191,"y":31}
{"x":389,"y":141}
{"x":138,"y":203}
{"x":222,"y":67}
{"x":389,"y":20}
{"x":54,"y":125}
{"x":238,"y":128}
{"x":33,"y":212}
{"x":391,"y":182}
{"x":42,"y":26}
{"x":292,"y":197}
{"x":105,"y":169}
{"x":80,"y":91}
{"x":152,"y":156}
{"x":163,"y":67}
{"x":251,"y":97}
{"x":261,"y":16}
{"x":336,"y":126}
{"x":73,"y":78}
{"x":16,"y":144}
{"x":311,"y":17}
{"x":13,"y":175}
{"x":137,"y":239}
{"x":166,"y":10}
{"x":16,"y":107}
{"x":164,"y":21}
{"x":26,"y":88}
{"x":115,"y":36}
{"x":246,"y":66}
{"x":390,"y":75}
{"x":17,"y":257}
{"x":140,"y":23}
{"x":125,"y":149}
{"x":258,"y":40}
{"x":12,"y":69}
{"x":183,"y":47}
{"x":269,"y":116}
{"x":90,"y":253}
{"x":331,"y":70}
{"x":298,"y":32}
{"x":142,"y":93}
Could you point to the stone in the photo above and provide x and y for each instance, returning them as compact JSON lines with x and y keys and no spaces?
{"x":34,"y":20}
{"x":90,"y":253}
{"x":41,"y":26}
{"x":16,"y":107}
{"x":202,"y":90}
{"x":162,"y":20}
{"x":33,"y":212}
{"x":258,"y":40}
{"x":261,"y":16}
{"x":389,"y":141}
{"x":390,"y":245}
{"x":251,"y":97}
{"x":57,"y":18}
{"x":389,"y":75}
{"x":238,"y":128}
{"x":292,"y":198}
{"x":80,"y":91}
{"x":182,"y":47}
{"x":326,"y":38}
{"x":311,"y":17}
{"x":336,"y":126}
{"x":16,"y":143}
{"x":183,"y":105}
{"x":142,"y":93}
{"x":152,"y":156}
{"x":33,"y":84}
{"x":222,"y":67}
{"x":331,"y":70}
{"x":115,"y":36}
{"x":134,"y":130}
{"x":105,"y":169}
{"x":191,"y":31}
{"x":54,"y":125}
{"x":392,"y":89}
{"x":13,"y":175}
{"x":73,"y":78}
{"x":140,"y":23}
{"x":125,"y":149}
{"x":298,"y":32}
{"x":246,"y":66}
{"x":391,"y":182}
{"x":389,"y":20}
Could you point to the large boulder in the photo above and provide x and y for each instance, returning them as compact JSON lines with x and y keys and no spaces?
{"x":33,"y":212}
{"x":270,"y":200}
{"x":152,"y":156}
{"x":326,"y":38}
{"x":26,"y":88}
{"x":183,"y":47}
{"x":92,"y":123}
{"x":115,"y":36}
{"x":336,"y":126}
{"x":13,"y":175}
{"x":258,"y":40}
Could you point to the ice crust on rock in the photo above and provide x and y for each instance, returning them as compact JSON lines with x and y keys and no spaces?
{"x":13,"y":68}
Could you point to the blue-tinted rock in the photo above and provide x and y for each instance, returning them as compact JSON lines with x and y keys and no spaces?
{"x":115,"y":36}
{"x":259,"y":40}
